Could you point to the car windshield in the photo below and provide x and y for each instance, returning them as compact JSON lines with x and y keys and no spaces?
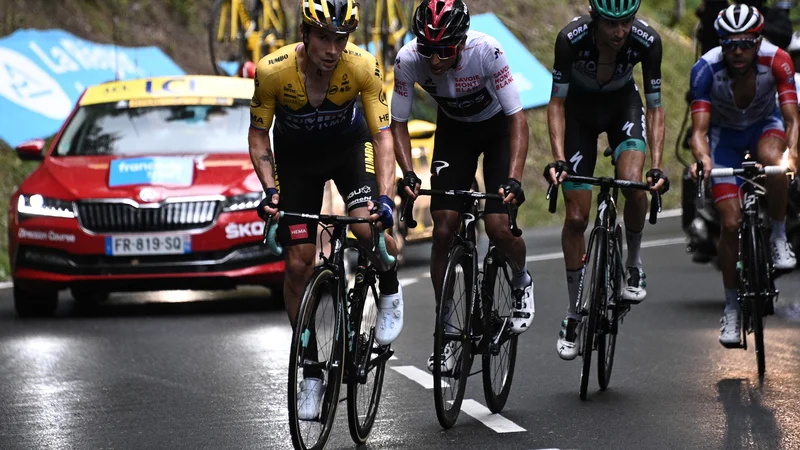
{"x":116,"y":129}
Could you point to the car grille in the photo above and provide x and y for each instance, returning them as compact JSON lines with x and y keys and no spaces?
{"x":105,"y":217}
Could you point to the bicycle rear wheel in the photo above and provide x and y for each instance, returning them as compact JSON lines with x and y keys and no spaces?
{"x":317,"y":353}
{"x":498,"y":360}
{"x":758,"y":268}
{"x":592,"y":298}
{"x":609,"y":315}
{"x":363,"y":398}
{"x":453,"y":318}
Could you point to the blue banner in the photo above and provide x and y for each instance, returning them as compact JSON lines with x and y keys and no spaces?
{"x":42,"y":74}
{"x":173,"y":171}
{"x":532,"y":79}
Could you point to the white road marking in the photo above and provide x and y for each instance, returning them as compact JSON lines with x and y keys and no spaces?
{"x":496,"y":422}
{"x":646,"y":244}
{"x":419,"y":376}
{"x":406,"y":281}
{"x":6,"y":284}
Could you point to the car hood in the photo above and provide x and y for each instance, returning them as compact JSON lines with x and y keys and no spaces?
{"x":88,"y":177}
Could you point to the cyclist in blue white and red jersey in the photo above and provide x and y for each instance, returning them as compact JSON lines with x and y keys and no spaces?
{"x":734,"y":87}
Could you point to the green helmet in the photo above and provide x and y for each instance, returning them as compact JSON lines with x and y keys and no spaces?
{"x":615,"y":9}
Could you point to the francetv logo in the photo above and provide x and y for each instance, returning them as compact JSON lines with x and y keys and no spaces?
{"x":158,"y":170}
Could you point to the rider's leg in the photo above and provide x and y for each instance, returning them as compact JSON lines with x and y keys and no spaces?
{"x":771,"y":146}
{"x":496,"y":162}
{"x":627,"y":136}
{"x":357,"y":181}
{"x":728,"y":254}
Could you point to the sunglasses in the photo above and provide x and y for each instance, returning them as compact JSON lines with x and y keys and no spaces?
{"x":744,"y":44}
{"x":442,"y":51}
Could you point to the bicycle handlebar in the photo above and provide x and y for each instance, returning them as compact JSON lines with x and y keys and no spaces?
{"x":655,"y":201}
{"x":749,"y":169}
{"x":378,"y":240}
{"x":409,"y":207}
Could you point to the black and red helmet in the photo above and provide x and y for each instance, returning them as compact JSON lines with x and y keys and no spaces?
{"x":441,"y":22}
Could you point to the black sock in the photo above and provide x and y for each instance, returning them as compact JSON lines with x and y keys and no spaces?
{"x":387,"y":282}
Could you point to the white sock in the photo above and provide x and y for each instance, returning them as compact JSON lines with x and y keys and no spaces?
{"x":778,"y":230}
{"x":573,"y":280}
{"x":634,"y":246}
{"x":731,"y":301}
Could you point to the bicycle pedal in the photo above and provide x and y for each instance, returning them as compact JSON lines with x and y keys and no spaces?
{"x":736,"y":345}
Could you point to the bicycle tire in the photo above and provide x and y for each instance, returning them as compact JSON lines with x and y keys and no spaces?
{"x":447,"y":416}
{"x":758,"y":285}
{"x":213,"y":25}
{"x":596,"y":289}
{"x":306,"y":315}
{"x":607,"y":345}
{"x":497,"y":307}
{"x":359,"y":430}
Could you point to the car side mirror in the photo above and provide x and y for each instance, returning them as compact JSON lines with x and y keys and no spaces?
{"x":31,"y":150}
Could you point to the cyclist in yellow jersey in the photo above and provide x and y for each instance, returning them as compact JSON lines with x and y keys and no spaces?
{"x":309,"y":90}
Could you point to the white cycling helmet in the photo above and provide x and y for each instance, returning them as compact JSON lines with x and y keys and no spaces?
{"x":739,"y":19}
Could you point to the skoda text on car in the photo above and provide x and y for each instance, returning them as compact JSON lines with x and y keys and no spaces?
{"x":147,"y":186}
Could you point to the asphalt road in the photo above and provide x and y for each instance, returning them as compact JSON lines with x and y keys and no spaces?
{"x":184,"y":370}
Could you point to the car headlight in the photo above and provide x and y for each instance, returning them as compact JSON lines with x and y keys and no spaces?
{"x":37,"y":205}
{"x":243,"y":202}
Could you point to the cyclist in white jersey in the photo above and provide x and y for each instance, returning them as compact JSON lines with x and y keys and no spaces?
{"x":480,"y":111}
{"x":744,"y":70}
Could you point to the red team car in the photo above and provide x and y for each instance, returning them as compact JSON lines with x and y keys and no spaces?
{"x":147,"y":186}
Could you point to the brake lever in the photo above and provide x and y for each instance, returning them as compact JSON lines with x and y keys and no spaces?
{"x":512,"y":219}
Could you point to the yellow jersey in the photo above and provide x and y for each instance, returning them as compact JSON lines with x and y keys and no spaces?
{"x":280,"y":95}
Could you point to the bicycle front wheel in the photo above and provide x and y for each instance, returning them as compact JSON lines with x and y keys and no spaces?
{"x":452,"y":343}
{"x":592,"y":298}
{"x":609,"y":315}
{"x":364,"y":396}
{"x":758,"y":284}
{"x":500,"y":357}
{"x":316,"y":358}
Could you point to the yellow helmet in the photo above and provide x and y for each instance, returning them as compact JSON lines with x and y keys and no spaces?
{"x":339,"y":16}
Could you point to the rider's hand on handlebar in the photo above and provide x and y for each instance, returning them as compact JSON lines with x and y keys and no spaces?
{"x":657,"y":180}
{"x":268,"y":208}
{"x":551,"y":172}
{"x":512,"y":192}
{"x":707,"y":165}
{"x":382,"y":211}
{"x":410,"y":184}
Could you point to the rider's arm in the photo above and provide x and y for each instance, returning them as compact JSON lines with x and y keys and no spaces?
{"x":702,"y":80}
{"x":783,"y":71}
{"x":262,"y":111}
{"x":651,"y":74}
{"x":376,"y":112}
{"x":562,"y":73}
{"x":496,"y":66}
{"x":402,"y":99}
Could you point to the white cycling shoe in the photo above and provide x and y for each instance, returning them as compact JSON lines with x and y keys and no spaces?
{"x":523,"y":309}
{"x":730,"y":329}
{"x":450,"y":356}
{"x":783,"y":257}
{"x":634,"y":289}
{"x":309,"y":398}
{"x":389,"y":322}
{"x":567,"y":345}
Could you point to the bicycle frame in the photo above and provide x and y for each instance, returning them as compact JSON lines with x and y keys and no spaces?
{"x":389,"y":37}
{"x":273,"y":17}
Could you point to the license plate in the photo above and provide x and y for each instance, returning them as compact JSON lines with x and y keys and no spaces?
{"x":148,"y":245}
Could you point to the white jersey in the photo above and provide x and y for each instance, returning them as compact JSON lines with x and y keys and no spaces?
{"x":476,"y":89}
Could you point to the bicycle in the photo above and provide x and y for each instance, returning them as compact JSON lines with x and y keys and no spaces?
{"x":361,"y":363}
{"x":385,"y":27}
{"x":491,"y":313}
{"x":601,"y":306}
{"x":756,"y":288}
{"x":240,"y":30}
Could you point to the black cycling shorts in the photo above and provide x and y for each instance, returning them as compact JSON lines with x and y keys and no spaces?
{"x":619,"y":114}
{"x":302,"y":170}
{"x":456,"y":149}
